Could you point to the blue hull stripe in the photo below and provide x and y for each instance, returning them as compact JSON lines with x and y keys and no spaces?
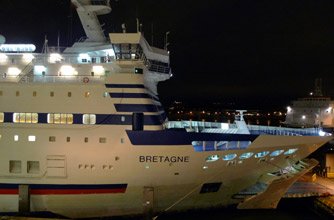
{"x":137,"y":108}
{"x":125,"y":86}
{"x":181,"y":137}
{"x":129,"y":95}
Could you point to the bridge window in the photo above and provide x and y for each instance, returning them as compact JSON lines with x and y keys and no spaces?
{"x":59,"y":118}
{"x":212,"y":158}
{"x":89,"y":119}
{"x":2,"y":115}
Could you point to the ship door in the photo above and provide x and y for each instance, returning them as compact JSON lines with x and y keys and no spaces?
{"x":56,"y":166}
{"x":148,"y":202}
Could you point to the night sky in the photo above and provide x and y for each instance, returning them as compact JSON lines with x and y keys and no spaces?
{"x":255,"y":54}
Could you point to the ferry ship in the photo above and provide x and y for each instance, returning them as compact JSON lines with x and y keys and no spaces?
{"x":315,"y":110}
{"x":83,"y":134}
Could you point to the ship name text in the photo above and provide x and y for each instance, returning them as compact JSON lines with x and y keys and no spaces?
{"x":164,"y":159}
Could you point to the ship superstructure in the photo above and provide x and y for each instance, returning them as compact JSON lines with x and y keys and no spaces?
{"x":316,"y":110}
{"x":83,"y":134}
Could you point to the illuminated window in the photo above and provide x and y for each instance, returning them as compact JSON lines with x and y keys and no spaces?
{"x":105,"y":94}
{"x":25,"y":117}
{"x":52,"y":139}
{"x":261,"y":154}
{"x":87,"y":94}
{"x":229,"y":156}
{"x":212,"y":158}
{"x":290,"y":151}
{"x":15,"y":166}
{"x":31,"y":138}
{"x":276,"y":153}
{"x":246,"y":155}
{"x":16,"y":137}
{"x":2,"y":116}
{"x":59,"y":118}
{"x":89,"y":119}
{"x":103,"y":140}
{"x":32,"y":166}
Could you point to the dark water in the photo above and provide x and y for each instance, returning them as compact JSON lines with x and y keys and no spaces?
{"x":288,"y":209}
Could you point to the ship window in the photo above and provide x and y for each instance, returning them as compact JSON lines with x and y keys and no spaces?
{"x":32,"y":166}
{"x":2,"y":115}
{"x":68,"y":139}
{"x":52,"y":139}
{"x":31,"y":138}
{"x":87,"y":94}
{"x":0,"y":93}
{"x":290,"y":151}
{"x":276,"y":153}
{"x":58,"y":118}
{"x":261,"y":154}
{"x":69,"y":94}
{"x":229,"y":156}
{"x":52,"y":94}
{"x":17,"y":93}
{"x":212,"y":158}
{"x":105,"y":94}
{"x":210,"y":187}
{"x":86,"y":139}
{"x":15,"y":166}
{"x":16,"y":137}
{"x":34,"y":93}
{"x":89,"y":119}
{"x":246,"y":155}
{"x":103,"y":140}
{"x":25,"y":117}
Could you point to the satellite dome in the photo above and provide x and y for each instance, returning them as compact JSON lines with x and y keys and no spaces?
{"x":2,"y":39}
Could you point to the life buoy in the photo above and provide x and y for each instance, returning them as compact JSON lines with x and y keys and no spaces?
{"x":85,"y":79}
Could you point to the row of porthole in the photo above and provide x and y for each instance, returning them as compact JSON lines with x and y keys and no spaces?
{"x":93,"y":167}
{"x":247,"y":155}
{"x":52,"y":94}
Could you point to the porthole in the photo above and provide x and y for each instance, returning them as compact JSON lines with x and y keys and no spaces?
{"x":246,"y":155}
{"x":212,"y":158}
{"x":290,"y":151}
{"x":276,"y":153}
{"x":261,"y":154}
{"x":229,"y":156}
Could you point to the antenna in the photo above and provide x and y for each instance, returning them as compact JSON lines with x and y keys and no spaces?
{"x":166,"y":40}
{"x":58,"y":39}
{"x":123,"y":28}
{"x":138,"y":30}
{"x":45,"y":48}
{"x":318,"y":87}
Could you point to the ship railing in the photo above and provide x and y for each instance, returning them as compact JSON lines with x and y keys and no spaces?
{"x":258,"y":129}
{"x":100,"y":2}
{"x":83,"y":79}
